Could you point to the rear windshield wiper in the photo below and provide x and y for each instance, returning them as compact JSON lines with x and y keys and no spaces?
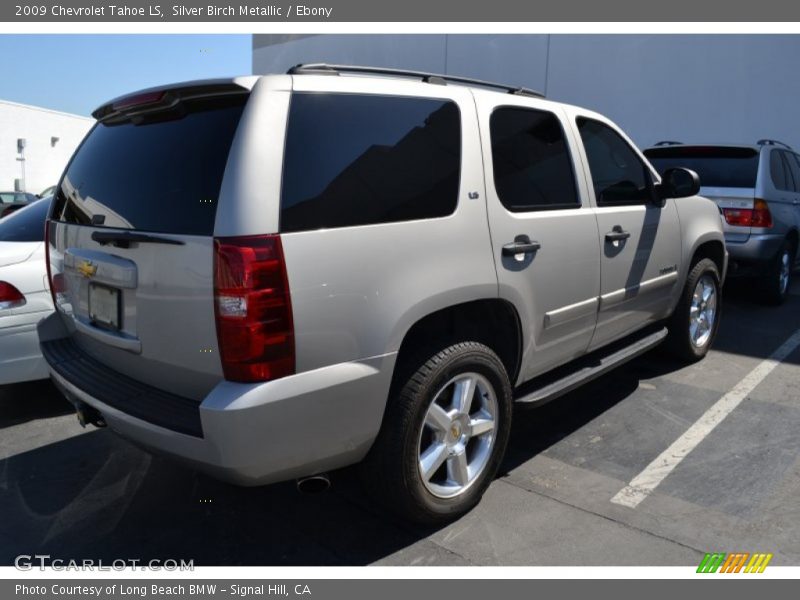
{"x":123,"y":239}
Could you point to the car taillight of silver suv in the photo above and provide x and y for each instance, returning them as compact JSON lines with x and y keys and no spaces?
{"x":253,"y":308}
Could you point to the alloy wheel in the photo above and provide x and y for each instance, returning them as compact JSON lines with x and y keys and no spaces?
{"x":785,"y":272}
{"x":458,"y":435}
{"x":703,"y":311}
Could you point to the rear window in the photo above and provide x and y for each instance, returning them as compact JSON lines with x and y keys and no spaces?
{"x":26,"y":224}
{"x":717,"y":167}
{"x":161,"y":173}
{"x":362,"y":159}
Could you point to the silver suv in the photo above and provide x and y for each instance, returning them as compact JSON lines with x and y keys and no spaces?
{"x":272,"y":277}
{"x":757,"y":189}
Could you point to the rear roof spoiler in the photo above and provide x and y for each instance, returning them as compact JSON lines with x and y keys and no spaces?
{"x":169,"y":95}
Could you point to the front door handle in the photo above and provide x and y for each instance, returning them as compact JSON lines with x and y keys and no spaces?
{"x":617,"y":235}
{"x":522,"y":244}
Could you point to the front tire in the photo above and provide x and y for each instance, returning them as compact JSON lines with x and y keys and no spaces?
{"x":443,"y":435}
{"x":693,"y":326}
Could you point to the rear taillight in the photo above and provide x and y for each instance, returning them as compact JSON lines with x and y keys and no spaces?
{"x":47,"y":259}
{"x":761,"y":215}
{"x":253,"y":308}
{"x":54,"y":280}
{"x":740,"y":217}
{"x":10,"y":297}
{"x":758,"y":216}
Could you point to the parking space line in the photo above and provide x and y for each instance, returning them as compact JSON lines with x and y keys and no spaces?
{"x":653,"y":474}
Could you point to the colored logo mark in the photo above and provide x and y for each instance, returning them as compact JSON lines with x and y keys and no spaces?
{"x":87,"y":269}
{"x":735,"y":562}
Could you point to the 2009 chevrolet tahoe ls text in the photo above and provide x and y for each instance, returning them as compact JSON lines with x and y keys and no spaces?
{"x":272,"y":277}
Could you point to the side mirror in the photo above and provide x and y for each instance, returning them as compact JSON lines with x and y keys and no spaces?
{"x":678,"y":183}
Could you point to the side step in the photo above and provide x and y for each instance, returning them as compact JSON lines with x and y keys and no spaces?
{"x":582,"y":370}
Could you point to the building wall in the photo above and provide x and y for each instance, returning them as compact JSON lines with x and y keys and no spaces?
{"x":690,"y":88}
{"x":44,"y":159}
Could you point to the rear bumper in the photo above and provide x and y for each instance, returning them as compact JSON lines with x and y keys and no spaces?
{"x":747,"y":258}
{"x":252,"y":434}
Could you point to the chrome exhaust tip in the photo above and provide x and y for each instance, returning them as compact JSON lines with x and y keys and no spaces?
{"x":315,"y":484}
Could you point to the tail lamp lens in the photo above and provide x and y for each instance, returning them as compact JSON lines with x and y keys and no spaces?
{"x":740,"y":217}
{"x":758,"y":216}
{"x":10,"y":297}
{"x":253,"y":309}
{"x":761,"y":215}
{"x":57,"y":282}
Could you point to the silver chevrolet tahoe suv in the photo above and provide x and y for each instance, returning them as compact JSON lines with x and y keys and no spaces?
{"x":757,"y":189}
{"x":273,"y":277}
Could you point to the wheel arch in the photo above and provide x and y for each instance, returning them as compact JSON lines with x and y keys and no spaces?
{"x":490,"y":321}
{"x":713,"y":249}
{"x":794,"y":238}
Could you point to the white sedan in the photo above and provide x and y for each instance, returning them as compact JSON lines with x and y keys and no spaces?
{"x":24,"y":293}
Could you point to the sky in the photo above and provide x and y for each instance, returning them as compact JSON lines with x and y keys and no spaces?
{"x":77,"y":73}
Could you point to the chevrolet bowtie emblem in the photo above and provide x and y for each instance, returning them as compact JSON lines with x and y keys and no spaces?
{"x":87,"y":268}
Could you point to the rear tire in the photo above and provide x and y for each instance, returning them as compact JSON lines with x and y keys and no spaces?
{"x":693,"y":326}
{"x":774,"y":284}
{"x":443,"y":436}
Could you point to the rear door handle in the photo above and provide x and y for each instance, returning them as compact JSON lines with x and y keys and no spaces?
{"x":617,"y":235}
{"x":522,"y":244}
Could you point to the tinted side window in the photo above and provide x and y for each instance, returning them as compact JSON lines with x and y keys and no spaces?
{"x":618,"y":175}
{"x":793,"y":162}
{"x":792,"y":182}
{"x":777,"y":171}
{"x":532,"y":164}
{"x":363,"y":159}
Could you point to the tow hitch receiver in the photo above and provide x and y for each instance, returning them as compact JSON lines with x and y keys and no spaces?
{"x":89,"y":416}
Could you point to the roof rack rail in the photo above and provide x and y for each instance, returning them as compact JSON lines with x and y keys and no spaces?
{"x":667,"y":143}
{"x":768,"y":142}
{"x":434,"y":78}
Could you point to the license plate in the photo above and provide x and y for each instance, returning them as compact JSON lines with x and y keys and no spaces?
{"x":104,"y":306}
